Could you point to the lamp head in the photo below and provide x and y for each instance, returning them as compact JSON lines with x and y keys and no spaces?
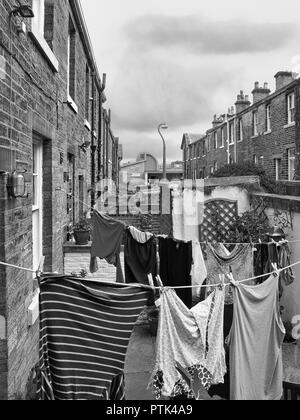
{"x":24,"y":10}
{"x":163,"y":126}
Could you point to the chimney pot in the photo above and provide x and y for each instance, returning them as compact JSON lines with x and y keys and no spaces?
{"x":256,"y":85}
{"x":266,"y":85}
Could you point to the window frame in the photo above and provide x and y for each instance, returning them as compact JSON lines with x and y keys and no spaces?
{"x":291,"y":159}
{"x":291,"y":109}
{"x":255,"y":123}
{"x":268,"y":118}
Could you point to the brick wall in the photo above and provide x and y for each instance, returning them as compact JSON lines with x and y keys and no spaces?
{"x":265,"y":146}
{"x":33,"y":105}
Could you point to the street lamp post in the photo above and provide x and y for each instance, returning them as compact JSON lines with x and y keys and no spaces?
{"x":163,"y":127}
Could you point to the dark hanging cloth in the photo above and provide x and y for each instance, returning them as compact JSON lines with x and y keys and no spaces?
{"x":108,"y":236}
{"x":85,"y":328}
{"x":140,"y":259}
{"x":176,"y":259}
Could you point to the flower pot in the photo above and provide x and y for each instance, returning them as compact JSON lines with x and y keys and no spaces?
{"x":82,"y":237}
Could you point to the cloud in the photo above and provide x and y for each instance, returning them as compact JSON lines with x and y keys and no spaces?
{"x":199,"y":36}
{"x":150,"y":89}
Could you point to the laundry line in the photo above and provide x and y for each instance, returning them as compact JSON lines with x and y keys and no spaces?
{"x":277,"y":271}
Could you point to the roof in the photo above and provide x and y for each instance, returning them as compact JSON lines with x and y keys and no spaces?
{"x":191,"y":138}
{"x":126,"y":165}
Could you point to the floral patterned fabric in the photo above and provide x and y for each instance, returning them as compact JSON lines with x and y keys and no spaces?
{"x":192,"y":338}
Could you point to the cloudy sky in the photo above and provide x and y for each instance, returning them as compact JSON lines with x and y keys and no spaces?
{"x":181,"y":62}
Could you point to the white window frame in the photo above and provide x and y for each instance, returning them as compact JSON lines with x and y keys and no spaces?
{"x":268,"y":117}
{"x":241,"y":136}
{"x":222,"y":138}
{"x":277,"y":169}
{"x":208,"y":144}
{"x":291,"y":158}
{"x":216,"y":140}
{"x":38,"y":7}
{"x":231,"y":133}
{"x":291,"y":108}
{"x":38,"y":31}
{"x":215,"y":166}
{"x":37,"y":197}
{"x":255,"y":123}
{"x":255,"y":159}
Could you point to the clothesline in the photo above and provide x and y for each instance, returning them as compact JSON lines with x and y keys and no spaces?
{"x":211,"y":243}
{"x":279,"y":270}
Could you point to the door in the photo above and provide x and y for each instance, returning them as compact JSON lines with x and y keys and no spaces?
{"x":37,"y":207}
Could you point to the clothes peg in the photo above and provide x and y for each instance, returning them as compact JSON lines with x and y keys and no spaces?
{"x":159,"y":281}
{"x":40,"y":268}
{"x":276,"y":269}
{"x":151,"y":282}
{"x":231,"y":278}
{"x":222,"y":281}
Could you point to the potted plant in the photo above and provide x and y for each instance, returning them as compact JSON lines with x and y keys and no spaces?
{"x":82,"y":232}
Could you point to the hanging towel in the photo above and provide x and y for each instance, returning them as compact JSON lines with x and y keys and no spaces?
{"x":176,"y":258}
{"x":191,"y":338}
{"x":107,"y":240}
{"x":239,"y":262}
{"x":85,"y":330}
{"x":140,"y":259}
{"x":199,"y":272}
{"x":256,"y":338}
{"x":141,"y":237}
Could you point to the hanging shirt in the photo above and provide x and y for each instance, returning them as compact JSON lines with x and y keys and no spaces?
{"x":176,"y":258}
{"x":199,"y":272}
{"x":85,"y":328}
{"x":141,"y":237}
{"x":191,"y":338}
{"x":239,"y":262}
{"x":140,"y":259}
{"x":256,"y":339}
{"x":107,"y":240}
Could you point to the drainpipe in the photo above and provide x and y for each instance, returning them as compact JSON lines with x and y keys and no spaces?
{"x":297,"y":139}
{"x":101,"y":138}
{"x":93,"y":145}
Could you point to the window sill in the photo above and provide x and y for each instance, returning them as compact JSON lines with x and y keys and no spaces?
{"x":231,"y":144}
{"x":255,"y":137}
{"x":240,"y":141}
{"x":222,"y":147}
{"x":87,"y":125}
{"x":44,"y":48}
{"x":72,"y":104}
{"x":290,"y":125}
{"x":268,"y":132}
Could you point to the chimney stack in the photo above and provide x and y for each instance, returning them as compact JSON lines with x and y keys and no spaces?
{"x":260,"y":93}
{"x":284,"y":78}
{"x":242,"y":102}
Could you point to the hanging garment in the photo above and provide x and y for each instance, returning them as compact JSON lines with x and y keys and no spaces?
{"x":141,"y":237}
{"x":239,"y":262}
{"x":199,"y":272}
{"x":284,"y":260}
{"x":176,"y":258}
{"x":261,"y":262}
{"x":256,"y":338}
{"x":140,"y":260}
{"x":107,"y":240}
{"x":191,"y":338}
{"x":85,"y":330}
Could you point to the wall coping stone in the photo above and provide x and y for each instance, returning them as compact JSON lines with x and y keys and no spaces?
{"x":282,"y":202}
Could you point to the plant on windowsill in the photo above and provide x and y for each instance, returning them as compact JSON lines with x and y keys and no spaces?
{"x":82,"y":232}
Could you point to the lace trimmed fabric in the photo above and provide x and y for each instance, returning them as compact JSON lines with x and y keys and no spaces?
{"x":192,"y":338}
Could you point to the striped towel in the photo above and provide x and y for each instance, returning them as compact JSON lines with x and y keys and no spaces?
{"x":85,"y":329}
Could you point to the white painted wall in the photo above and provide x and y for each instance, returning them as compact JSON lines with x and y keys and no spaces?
{"x":188,"y":212}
